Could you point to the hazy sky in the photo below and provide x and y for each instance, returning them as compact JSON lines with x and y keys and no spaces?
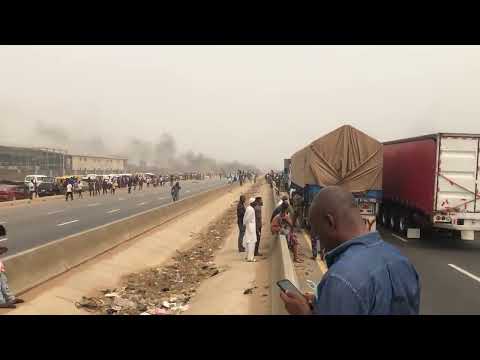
{"x":255,"y":104}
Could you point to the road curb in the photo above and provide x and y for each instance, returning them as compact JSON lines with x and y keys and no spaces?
{"x":282,"y":268}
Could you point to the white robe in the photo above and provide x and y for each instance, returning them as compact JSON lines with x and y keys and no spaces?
{"x":250,"y":226}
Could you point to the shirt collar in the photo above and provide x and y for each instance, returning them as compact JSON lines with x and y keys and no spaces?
{"x":366,"y":239}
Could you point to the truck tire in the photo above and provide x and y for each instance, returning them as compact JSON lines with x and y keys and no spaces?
{"x":393,"y":222}
{"x":384,"y":219}
{"x":403,"y":224}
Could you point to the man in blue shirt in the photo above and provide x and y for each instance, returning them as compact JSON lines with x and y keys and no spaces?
{"x":366,"y":276}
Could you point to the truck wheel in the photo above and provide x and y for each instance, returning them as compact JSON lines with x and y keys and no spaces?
{"x":403,"y":224}
{"x":392,"y":224}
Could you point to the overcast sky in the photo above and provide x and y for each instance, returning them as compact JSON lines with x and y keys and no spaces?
{"x":255,"y":104}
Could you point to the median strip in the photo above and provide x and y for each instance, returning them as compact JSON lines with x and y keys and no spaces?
{"x":399,"y":238}
{"x":465,"y":272}
{"x":55,"y":212}
{"x":68,"y":222}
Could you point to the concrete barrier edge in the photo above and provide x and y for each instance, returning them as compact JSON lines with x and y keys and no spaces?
{"x":281,"y":268}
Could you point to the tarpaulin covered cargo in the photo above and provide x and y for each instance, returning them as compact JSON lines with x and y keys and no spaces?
{"x":345,"y":157}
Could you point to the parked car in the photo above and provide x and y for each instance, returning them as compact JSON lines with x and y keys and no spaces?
{"x":39,"y":178}
{"x":48,"y":189}
{"x":10,"y":192}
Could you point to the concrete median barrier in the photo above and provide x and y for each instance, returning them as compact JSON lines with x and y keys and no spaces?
{"x":282,"y":268}
{"x":32,"y":267}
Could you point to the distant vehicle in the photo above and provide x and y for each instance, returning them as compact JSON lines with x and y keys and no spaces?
{"x":48,"y":188}
{"x":11,"y":192}
{"x":432,"y":182}
{"x":38,"y":178}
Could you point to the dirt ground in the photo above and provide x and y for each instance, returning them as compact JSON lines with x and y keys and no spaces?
{"x":243,"y":288}
{"x":169,"y":288}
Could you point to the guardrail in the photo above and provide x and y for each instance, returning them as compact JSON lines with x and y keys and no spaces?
{"x":282,"y":267}
{"x":35,"y":266}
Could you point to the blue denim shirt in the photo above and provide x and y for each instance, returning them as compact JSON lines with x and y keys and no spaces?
{"x":367,"y":276}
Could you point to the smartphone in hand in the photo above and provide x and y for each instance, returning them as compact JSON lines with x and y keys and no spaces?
{"x":286,"y":284}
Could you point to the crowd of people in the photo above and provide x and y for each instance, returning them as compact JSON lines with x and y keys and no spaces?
{"x":242,"y":177}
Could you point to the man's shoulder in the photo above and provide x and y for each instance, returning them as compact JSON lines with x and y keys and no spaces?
{"x":359,"y":264}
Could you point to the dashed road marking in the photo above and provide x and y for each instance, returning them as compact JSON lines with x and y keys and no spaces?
{"x":163,"y":198}
{"x":55,"y":212}
{"x":120,"y":199}
{"x":94,"y":204}
{"x":400,"y":238}
{"x":187,"y":191}
{"x":465,"y":272}
{"x":142,"y":203}
{"x":113,"y":211}
{"x":68,"y":222}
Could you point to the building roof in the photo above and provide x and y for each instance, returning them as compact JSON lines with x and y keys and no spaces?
{"x":110,"y":157}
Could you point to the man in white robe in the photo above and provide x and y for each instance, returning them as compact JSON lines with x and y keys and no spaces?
{"x":250,"y":237}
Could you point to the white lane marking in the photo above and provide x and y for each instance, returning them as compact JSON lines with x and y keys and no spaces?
{"x":163,"y":198}
{"x":465,"y":272}
{"x":68,"y":222}
{"x":187,"y":191}
{"x":113,"y":211}
{"x":120,"y":199}
{"x":94,"y":204}
{"x":55,"y":212}
{"x":400,"y":238}
{"x":4,"y":239}
{"x":142,"y":203}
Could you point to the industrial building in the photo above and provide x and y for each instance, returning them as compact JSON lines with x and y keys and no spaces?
{"x":18,"y":162}
{"x":83,"y":164}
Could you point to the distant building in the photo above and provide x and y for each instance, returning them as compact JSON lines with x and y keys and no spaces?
{"x":18,"y":162}
{"x":83,"y":164}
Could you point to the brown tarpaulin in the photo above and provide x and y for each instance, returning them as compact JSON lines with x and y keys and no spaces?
{"x":345,"y":157}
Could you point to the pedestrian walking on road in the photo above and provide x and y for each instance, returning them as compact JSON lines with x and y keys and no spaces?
{"x":31,"y":189}
{"x":175,"y":191}
{"x":91,"y":189}
{"x":114,"y":186}
{"x":130,"y":185}
{"x":250,"y":237}
{"x":258,"y":222}
{"x":98,"y":186}
{"x":241,"y":227}
{"x":69,"y":192}
{"x":80,"y":190}
{"x":366,"y":276}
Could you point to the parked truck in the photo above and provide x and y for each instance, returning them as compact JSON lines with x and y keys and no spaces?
{"x":345,"y":157}
{"x":432,"y":182}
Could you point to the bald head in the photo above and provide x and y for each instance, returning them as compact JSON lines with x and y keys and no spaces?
{"x":334,"y":217}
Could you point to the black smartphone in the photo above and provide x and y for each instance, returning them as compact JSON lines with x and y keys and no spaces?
{"x":286,"y":284}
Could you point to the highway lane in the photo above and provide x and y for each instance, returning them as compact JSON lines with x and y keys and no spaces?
{"x":449,"y":272}
{"x":34,"y":225}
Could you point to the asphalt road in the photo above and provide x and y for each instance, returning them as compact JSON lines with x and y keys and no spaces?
{"x":449,"y":272}
{"x":37,"y":224}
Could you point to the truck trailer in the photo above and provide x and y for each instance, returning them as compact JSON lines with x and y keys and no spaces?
{"x":345,"y":157}
{"x":432,"y":182}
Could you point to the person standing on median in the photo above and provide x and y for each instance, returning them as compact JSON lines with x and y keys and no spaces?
{"x":241,"y":227}
{"x":250,"y":237}
{"x":258,"y":222}
{"x":31,"y":189}
{"x":366,"y":276}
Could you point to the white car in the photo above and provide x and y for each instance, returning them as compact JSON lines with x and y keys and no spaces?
{"x":38,"y":178}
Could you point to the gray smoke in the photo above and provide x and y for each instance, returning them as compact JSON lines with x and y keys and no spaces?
{"x":161,"y":154}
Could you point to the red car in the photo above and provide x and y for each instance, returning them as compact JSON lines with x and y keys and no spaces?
{"x":12,"y":192}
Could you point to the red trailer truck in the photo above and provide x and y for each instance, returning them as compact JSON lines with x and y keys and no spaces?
{"x":430,"y":182}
